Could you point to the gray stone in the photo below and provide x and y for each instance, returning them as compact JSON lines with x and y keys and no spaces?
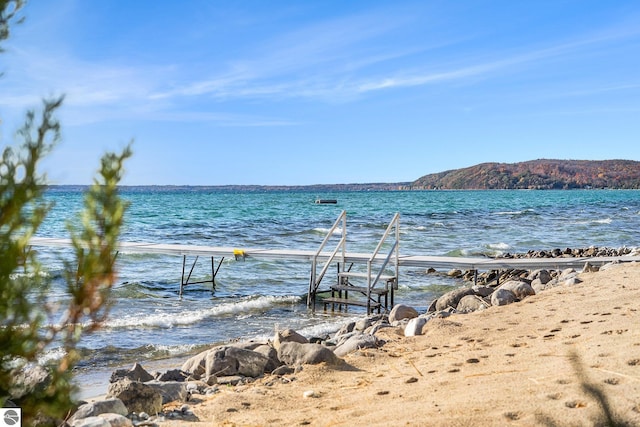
{"x":136,"y":396}
{"x":117,"y":420}
{"x":174,"y":375}
{"x":250,"y":363}
{"x":91,"y":422}
{"x":471,"y":303}
{"x":432,"y":306}
{"x":283,"y":370}
{"x":216,"y":363}
{"x":28,"y":380}
{"x":503,"y":297}
{"x":270,"y":353}
{"x":544,"y":276}
{"x":93,"y":409}
{"x":195,"y":365}
{"x":451,"y":298}
{"x":481,"y":291}
{"x":136,"y":373}
{"x":356,"y":342}
{"x":294,"y":353}
{"x":401,"y":311}
{"x":520,"y":289}
{"x":171,"y":391}
{"x":414,"y":327}
{"x":288,"y":335}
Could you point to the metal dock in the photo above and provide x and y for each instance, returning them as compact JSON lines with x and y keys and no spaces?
{"x":379,"y":269}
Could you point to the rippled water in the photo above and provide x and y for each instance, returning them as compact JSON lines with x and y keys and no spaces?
{"x":253,"y":297}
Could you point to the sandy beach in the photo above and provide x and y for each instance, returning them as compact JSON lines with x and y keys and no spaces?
{"x":523,"y":364}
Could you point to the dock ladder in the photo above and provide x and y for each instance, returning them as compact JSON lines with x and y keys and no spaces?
{"x":376,"y":271}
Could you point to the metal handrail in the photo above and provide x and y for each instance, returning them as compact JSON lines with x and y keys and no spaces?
{"x":315,"y":279}
{"x":395,"y":222}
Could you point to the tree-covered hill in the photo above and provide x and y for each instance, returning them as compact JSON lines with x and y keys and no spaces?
{"x":538,"y":174}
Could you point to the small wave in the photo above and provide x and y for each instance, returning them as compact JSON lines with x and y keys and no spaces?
{"x":595,"y":221}
{"x":29,"y":275}
{"x":515,"y":213}
{"x":500,"y":246}
{"x":324,"y":231}
{"x":186,"y":317}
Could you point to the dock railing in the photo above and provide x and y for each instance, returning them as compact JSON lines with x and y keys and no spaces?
{"x":314,"y":281}
{"x":394,"y":226}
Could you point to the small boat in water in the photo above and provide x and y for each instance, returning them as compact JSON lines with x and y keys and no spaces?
{"x":326,"y":201}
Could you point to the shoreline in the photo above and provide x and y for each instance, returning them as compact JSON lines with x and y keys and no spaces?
{"x":467,"y":369}
{"x":506,"y":365}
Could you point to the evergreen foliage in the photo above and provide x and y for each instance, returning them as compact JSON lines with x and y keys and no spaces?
{"x":29,"y":325}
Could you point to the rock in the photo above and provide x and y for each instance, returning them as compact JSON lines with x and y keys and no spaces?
{"x":356,"y":342}
{"x":195,"y":365}
{"x":481,"y":291}
{"x":171,"y":391}
{"x":401,"y":311}
{"x":270,"y":353}
{"x":572,"y":281}
{"x":544,"y":276}
{"x":136,"y":373}
{"x":28,"y":380}
{"x":451,"y":298}
{"x":503,"y":297}
{"x":116,"y":420}
{"x":588,"y":268}
{"x":288,"y":335}
{"x":294,"y":353}
{"x":520,"y":289}
{"x":216,"y":363}
{"x":91,"y":422}
{"x":174,"y":375}
{"x":114,"y":406}
{"x":414,"y":327}
{"x":471,"y":303}
{"x":250,"y":363}
{"x":136,"y":396}
{"x":283,"y":370}
{"x":367,"y":322}
{"x":432,"y":306}
{"x":454,"y":273}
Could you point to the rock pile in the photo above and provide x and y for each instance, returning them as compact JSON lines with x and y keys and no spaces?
{"x":502,"y":276}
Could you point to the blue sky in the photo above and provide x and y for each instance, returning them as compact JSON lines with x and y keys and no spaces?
{"x":321,"y":92}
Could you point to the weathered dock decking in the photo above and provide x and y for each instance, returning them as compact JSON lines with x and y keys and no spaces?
{"x":421,"y":261}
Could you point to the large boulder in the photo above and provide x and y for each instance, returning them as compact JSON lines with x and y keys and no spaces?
{"x":470,"y":303}
{"x":452,"y":298}
{"x":288,"y":335}
{"x":136,"y":396}
{"x":93,"y":409}
{"x":270,"y":353}
{"x":414,"y":327}
{"x":295,"y":354}
{"x":520,"y":289}
{"x":401,"y":311}
{"x":136,"y":373}
{"x":356,"y":342}
{"x":503,"y":297}
{"x":28,"y":380}
{"x":171,"y":391}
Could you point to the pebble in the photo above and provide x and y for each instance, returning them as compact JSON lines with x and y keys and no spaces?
{"x":309,"y":393}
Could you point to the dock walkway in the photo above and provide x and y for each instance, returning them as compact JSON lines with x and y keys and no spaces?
{"x":420,"y":261}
